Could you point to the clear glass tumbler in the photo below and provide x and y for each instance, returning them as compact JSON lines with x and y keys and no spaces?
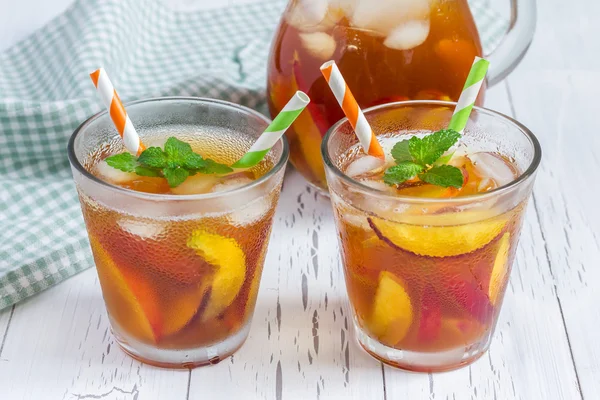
{"x":426,"y":276}
{"x":172,"y":303}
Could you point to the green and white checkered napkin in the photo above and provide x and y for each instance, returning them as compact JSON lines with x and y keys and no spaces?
{"x":45,"y":93}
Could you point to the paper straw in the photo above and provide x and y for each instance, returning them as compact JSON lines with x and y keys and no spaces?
{"x":357,"y":119}
{"x":117,"y":112}
{"x":273,"y":133}
{"x":467,"y":98}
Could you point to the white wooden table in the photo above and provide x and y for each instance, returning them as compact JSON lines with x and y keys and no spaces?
{"x":57,"y":345}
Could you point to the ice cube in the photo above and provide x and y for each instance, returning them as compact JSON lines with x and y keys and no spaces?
{"x":142,"y":229}
{"x":348,"y":214}
{"x":231,"y":182}
{"x":113,"y":175}
{"x":385,"y":15}
{"x":486,"y":184}
{"x":197,"y":184}
{"x":378,"y":185}
{"x":305,"y":15}
{"x":364,"y":165}
{"x":493,"y":166}
{"x":252,"y":212}
{"x":345,"y":6}
{"x":244,"y":213}
{"x":408,"y":35}
{"x":318,"y":44}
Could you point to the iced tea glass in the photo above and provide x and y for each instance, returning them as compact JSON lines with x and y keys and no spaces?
{"x":426,"y":276}
{"x":179,"y":273}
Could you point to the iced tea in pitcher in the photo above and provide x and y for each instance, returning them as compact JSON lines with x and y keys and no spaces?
{"x":388,"y":50}
{"x":427,"y":245}
{"x":179,"y":260}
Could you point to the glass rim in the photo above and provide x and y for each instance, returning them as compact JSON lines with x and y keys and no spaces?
{"x":185,"y":197}
{"x":530,"y":171}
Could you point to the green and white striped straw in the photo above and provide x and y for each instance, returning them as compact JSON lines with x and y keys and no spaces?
{"x":467,"y":98}
{"x":273,"y":133}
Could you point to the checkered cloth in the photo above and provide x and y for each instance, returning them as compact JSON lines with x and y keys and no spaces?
{"x":45,"y":93}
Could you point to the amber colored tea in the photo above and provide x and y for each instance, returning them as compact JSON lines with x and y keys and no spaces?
{"x":427,"y":283}
{"x":387,"y":50}
{"x":188,"y":278}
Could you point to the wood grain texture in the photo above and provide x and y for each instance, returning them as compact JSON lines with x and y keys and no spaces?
{"x":555,"y":95}
{"x":301,"y":344}
{"x":59,"y":346}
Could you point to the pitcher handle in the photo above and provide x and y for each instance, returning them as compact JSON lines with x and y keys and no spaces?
{"x":513,"y":47}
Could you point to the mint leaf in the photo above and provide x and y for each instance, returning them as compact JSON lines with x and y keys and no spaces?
{"x":176,"y":163}
{"x":400,"y":152}
{"x":153,"y":157}
{"x":443,"y":139}
{"x":443,"y":175}
{"x":427,"y":150}
{"x":177,"y":152}
{"x":125,"y":162}
{"x":175,"y":176}
{"x":213,"y":167}
{"x":194,"y":161}
{"x":147,"y":171}
{"x":402,"y":172}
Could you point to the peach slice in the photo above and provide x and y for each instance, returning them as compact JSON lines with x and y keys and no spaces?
{"x":469,"y":296}
{"x":229,"y":261}
{"x":500,"y":268}
{"x":196,"y":184}
{"x":179,"y":311}
{"x":130,"y":299}
{"x":392,"y":312}
{"x":444,"y":235}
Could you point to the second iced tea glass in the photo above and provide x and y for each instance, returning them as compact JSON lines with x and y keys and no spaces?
{"x":169,"y":304}
{"x":426,"y":277}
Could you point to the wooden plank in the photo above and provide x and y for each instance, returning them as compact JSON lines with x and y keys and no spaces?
{"x":553,"y":94}
{"x":301,"y":344}
{"x":529,"y":357}
{"x":59,"y":346}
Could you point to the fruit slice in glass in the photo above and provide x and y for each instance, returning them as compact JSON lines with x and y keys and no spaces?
{"x":229,"y":261}
{"x":392,"y":313}
{"x":455,"y":233}
{"x":130,"y":299}
{"x":134,"y":302}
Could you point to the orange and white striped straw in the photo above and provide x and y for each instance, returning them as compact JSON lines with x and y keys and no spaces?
{"x":357,"y":119}
{"x":117,"y":112}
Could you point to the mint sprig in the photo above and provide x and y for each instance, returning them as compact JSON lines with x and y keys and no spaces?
{"x":402,"y":172}
{"x":175,"y":163}
{"x":423,"y":157}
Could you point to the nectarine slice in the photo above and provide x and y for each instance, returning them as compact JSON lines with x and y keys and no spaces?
{"x":229,"y":261}
{"x":455,"y":233}
{"x":130,"y":300}
{"x":392,"y":313}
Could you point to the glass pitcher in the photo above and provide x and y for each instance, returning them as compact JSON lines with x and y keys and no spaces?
{"x":387,"y":50}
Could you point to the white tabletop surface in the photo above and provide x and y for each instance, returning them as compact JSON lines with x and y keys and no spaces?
{"x":57,"y":345}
